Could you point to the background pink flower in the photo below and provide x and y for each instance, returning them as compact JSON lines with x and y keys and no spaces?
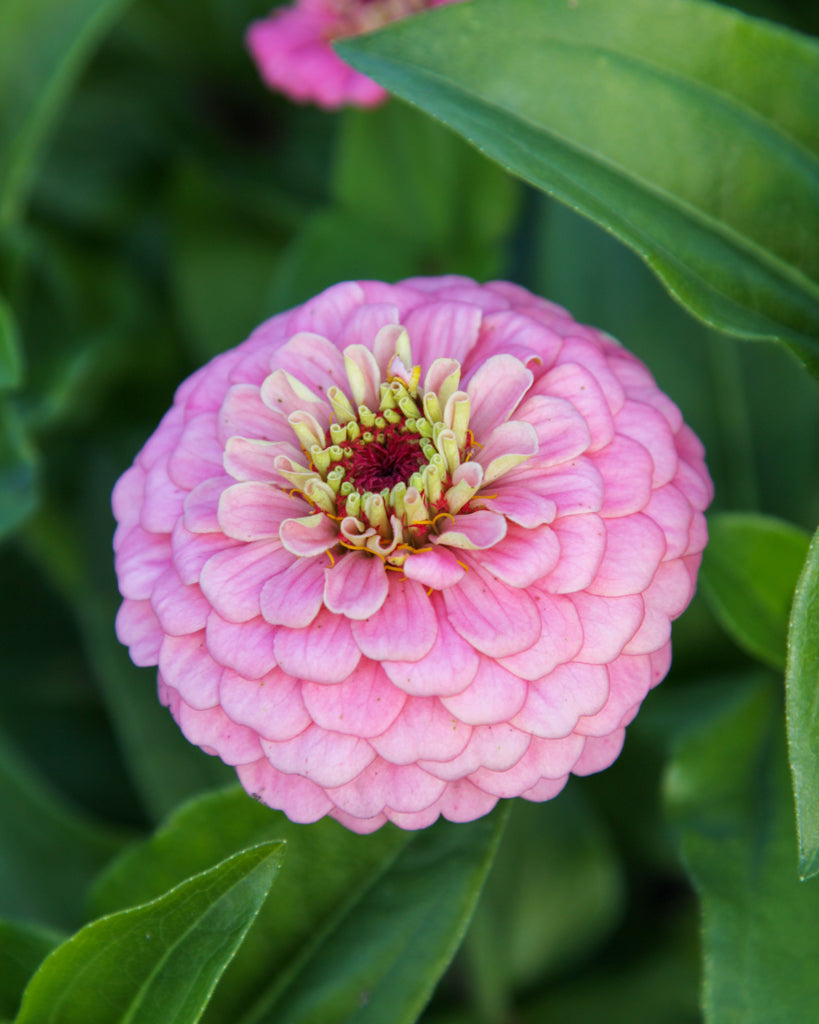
{"x":293,"y":51}
{"x":411,"y":548}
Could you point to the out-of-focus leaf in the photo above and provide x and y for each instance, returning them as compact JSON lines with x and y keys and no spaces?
{"x":158,"y":963}
{"x":18,"y":471}
{"x":11,"y":356}
{"x":44,"y":44}
{"x":802,"y":689}
{"x":23,"y":947}
{"x":729,"y":794}
{"x":383,"y":958}
{"x":326,"y":867}
{"x":749,"y":572}
{"x":683,"y":127}
{"x":48,"y":853}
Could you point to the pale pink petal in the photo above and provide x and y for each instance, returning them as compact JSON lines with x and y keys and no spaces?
{"x":202,"y":505}
{"x":698,"y":534}
{"x":126,"y":499}
{"x":294,"y":597}
{"x":423,"y":729}
{"x":414,"y":820}
{"x":544,"y":758}
{"x":695,"y":485}
{"x":327,"y":313}
{"x":437,"y":568}
{"x":546,"y":789}
{"x":323,"y":652}
{"x":494,"y":695}
{"x":599,"y":752}
{"x":463,"y":801}
{"x":217,"y":734}
{"x":583,"y":352}
{"x":442,"y":329}
{"x":668,"y":596}
{"x":137,"y":627}
{"x":495,"y":390}
{"x":186,"y":664}
{"x":523,"y":556}
{"x":506,"y":331}
{"x":555,"y":703}
{"x":244,"y":414}
{"x":627,"y":471}
{"x":505,"y":448}
{"x":561,"y":431}
{"x":163,"y":499}
{"x":364,"y":374}
{"x":190,"y":551}
{"x":272,"y":706}
{"x":497,"y":747}
{"x":521,"y":504}
{"x":254,"y":511}
{"x":245,"y":647}
{"x":635,"y":545}
{"x":140,"y":560}
{"x":309,"y":535}
{"x":448,"y":668}
{"x":496,"y":619}
{"x":574,"y":488}
{"x":301,"y":800}
{"x":232,"y":580}
{"x":327,"y":758}
{"x":649,"y":428}
{"x":364,"y":704}
{"x":251,"y":459}
{"x":362,"y":329}
{"x":670,"y":510}
{"x":404,"y":787}
{"x":608,"y":624}
{"x":582,"y":542}
{"x":356,"y":586}
{"x":314,"y":360}
{"x":180,"y":609}
{"x":363,"y":826}
{"x":577,"y":385}
{"x":630,"y":680}
{"x":403,"y":629}
{"x":283,"y":394}
{"x":198,"y":454}
{"x":561,"y":637}
{"x":472,"y":531}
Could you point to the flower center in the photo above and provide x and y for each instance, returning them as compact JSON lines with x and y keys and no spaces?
{"x":383,"y":459}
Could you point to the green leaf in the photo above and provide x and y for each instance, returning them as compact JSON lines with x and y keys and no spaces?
{"x":23,"y":947}
{"x":384,"y":957}
{"x":748,"y":575}
{"x":18,"y":471}
{"x":49,"y":854}
{"x":11,"y":356}
{"x":728,"y":792}
{"x":44,"y":45}
{"x":685,"y":128}
{"x":158,"y":963}
{"x":326,"y":867}
{"x":802,"y":690}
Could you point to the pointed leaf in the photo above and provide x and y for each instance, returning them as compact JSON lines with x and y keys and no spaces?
{"x":749,"y":572}
{"x":802,"y":689}
{"x":157,"y":963}
{"x":23,"y":947}
{"x":685,"y":128}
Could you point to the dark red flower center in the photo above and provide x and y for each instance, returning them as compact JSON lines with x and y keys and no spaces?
{"x":390,"y":458}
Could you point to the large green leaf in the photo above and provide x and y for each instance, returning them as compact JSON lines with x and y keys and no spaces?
{"x":728,"y":792}
{"x":158,"y":963}
{"x":23,"y":947}
{"x":749,"y":572}
{"x":49,"y":854}
{"x":44,"y":45}
{"x":18,"y":470}
{"x":802,"y":688}
{"x":11,"y":357}
{"x":683,"y":127}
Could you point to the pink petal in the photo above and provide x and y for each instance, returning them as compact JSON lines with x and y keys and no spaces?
{"x":163,"y":499}
{"x":448,"y":668}
{"x":190,"y":551}
{"x":562,"y":433}
{"x":574,"y":488}
{"x":215,"y":733}
{"x":244,"y":414}
{"x":555,"y":702}
{"x":509,"y":332}
{"x":493,"y":696}
{"x":404,"y":627}
{"x":635,"y":546}
{"x":140,"y":560}
{"x":405,"y":787}
{"x":250,"y":459}
{"x":630,"y":680}
{"x":364,"y":704}
{"x":670,"y":510}
{"x":180,"y":609}
{"x":544,"y":758}
{"x":695,"y":484}
{"x":582,"y":542}
{"x":423,"y":729}
{"x":442,"y":329}
{"x":462,"y":801}
{"x":496,"y":619}
{"x":668,"y":596}
{"x":561,"y":637}
{"x":186,"y":664}
{"x":198,"y":454}
{"x":644,"y":424}
{"x":600,"y":752}
{"x":323,"y":652}
{"x":363,"y":326}
{"x":521,"y":504}
{"x":254,"y":511}
{"x":126,"y":499}
{"x":584,"y":353}
{"x":314,"y":360}
{"x":202,"y":504}
{"x":546,"y":789}
{"x":309,"y":535}
{"x":356,"y":586}
{"x":578,"y":386}
{"x":608,"y":625}
{"x":284,"y":394}
{"x":247,"y":648}
{"x":438,"y":568}
{"x":137,"y":627}
{"x":523,"y":556}
{"x":362,"y":826}
{"x":271,"y":706}
{"x":495,"y":390}
{"x":327,"y":758}
{"x":497,"y":747}
{"x":472,"y":531}
{"x":301,"y":800}
{"x":232,"y":580}
{"x":327,"y":313}
{"x":365,"y":376}
{"x":505,"y":448}
{"x":627,"y":472}
{"x":294,"y":597}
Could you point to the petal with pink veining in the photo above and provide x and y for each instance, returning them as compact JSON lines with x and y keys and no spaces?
{"x":448,"y":668}
{"x":608,"y":624}
{"x":442,"y":329}
{"x":496,"y":619}
{"x":245,"y":647}
{"x":253,"y":511}
{"x":670,"y":510}
{"x":437,"y":568}
{"x":272,"y":706}
{"x":521,"y":504}
{"x":190,"y":551}
{"x":327,"y":758}
{"x":474,"y":531}
{"x":582,"y":542}
{"x":627,"y":471}
{"x":599,"y":752}
{"x":327,"y":312}
{"x":578,"y":386}
{"x":362,"y":329}
{"x":216,"y":733}
{"x":405,"y":787}
{"x":403,"y":629}
{"x":364,"y":704}
{"x":314,"y":360}
{"x":574,"y":487}
{"x":126,"y":498}
{"x":635,"y":545}
{"x":495,"y":390}
{"x":555,"y":702}
{"x":180,"y":609}
{"x":323,"y":652}
{"x":523,"y":556}
{"x":307,"y":536}
{"x":282,"y":393}
{"x":140,"y":560}
{"x":301,"y":800}
{"x":232,"y":580}
{"x":163,"y":499}
{"x":462,"y":801}
{"x":544,"y":758}
{"x":198,"y":454}
{"x":497,"y":747}
{"x":202,"y":505}
{"x":561,"y":637}
{"x":186,"y":664}
{"x":562,"y":433}
{"x":138,"y":628}
{"x":252,"y":459}
{"x":294,"y":597}
{"x":244,"y":414}
{"x":630,"y":680}
{"x":356,"y":586}
{"x":494,"y":695}
{"x":505,"y":448}
{"x":423,"y":729}
{"x":644,"y":424}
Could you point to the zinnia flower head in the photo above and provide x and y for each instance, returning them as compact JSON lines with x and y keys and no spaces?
{"x":292,"y":48}
{"x":411,"y":548}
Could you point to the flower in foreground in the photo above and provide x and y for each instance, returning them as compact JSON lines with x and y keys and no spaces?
{"x":292,"y":48}
{"x":411,"y":548}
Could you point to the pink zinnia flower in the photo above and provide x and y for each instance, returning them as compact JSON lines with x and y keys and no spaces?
{"x":411,"y":548}
{"x":293,"y":51}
